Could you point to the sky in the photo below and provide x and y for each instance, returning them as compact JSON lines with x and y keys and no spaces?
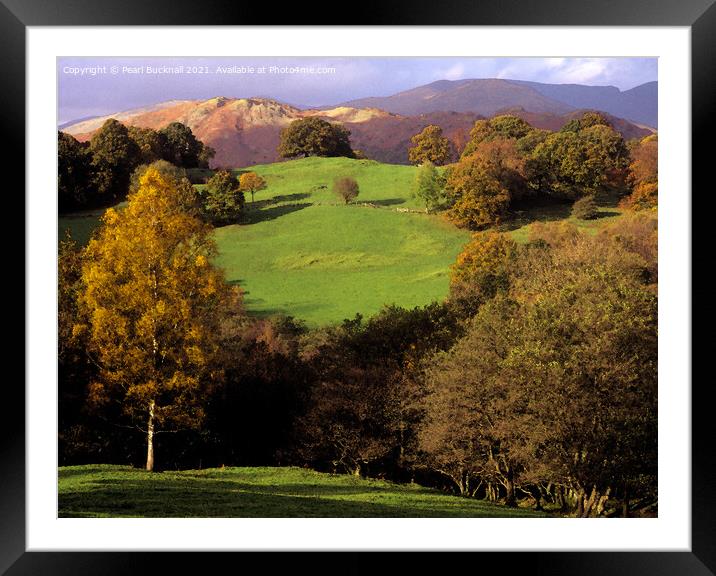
{"x":106,"y":85}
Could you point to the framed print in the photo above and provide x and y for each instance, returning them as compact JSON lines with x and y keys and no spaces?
{"x":386,"y":285}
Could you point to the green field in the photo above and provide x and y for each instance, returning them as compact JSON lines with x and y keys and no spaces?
{"x":302,"y":253}
{"x":299,"y":252}
{"x":122,"y":491}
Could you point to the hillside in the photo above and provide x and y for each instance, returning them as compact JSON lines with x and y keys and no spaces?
{"x":246,"y":131}
{"x":265,"y":492}
{"x":301,"y":253}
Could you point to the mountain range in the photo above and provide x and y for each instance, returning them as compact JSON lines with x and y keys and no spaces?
{"x":246,"y":131}
{"x":489,"y":96}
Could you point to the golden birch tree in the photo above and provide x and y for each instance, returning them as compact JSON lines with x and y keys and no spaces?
{"x":153,"y":301}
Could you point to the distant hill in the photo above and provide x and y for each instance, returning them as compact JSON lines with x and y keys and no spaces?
{"x":484,"y":97}
{"x":246,"y":131}
{"x":640,"y":104}
{"x":487,"y":96}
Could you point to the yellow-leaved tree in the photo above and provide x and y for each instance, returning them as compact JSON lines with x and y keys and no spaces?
{"x":152,"y":303}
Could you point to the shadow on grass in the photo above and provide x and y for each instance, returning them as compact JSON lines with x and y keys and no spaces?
{"x":202,"y":497}
{"x":387,"y":201}
{"x":265,"y":214}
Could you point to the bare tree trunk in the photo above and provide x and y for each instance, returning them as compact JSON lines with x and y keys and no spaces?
{"x":150,"y":438}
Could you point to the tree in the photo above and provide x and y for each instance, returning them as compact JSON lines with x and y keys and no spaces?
{"x":188,"y":195}
{"x":222,"y":198}
{"x":152,"y":144}
{"x":478,"y":198}
{"x":553,"y":386}
{"x":429,"y":186}
{"x":481,"y":271}
{"x":182,"y":147}
{"x":114,"y":156}
{"x":251,"y":182}
{"x":73,"y":173}
{"x":570,"y":164}
{"x":346,"y":188}
{"x":644,"y":175}
{"x":313,"y":136}
{"x":430,"y":146}
{"x":505,"y":126}
{"x":153,"y":302}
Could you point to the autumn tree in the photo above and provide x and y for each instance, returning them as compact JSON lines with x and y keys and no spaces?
{"x":222,"y":198}
{"x":314,"y":136}
{"x":346,"y":189}
{"x":430,"y":146}
{"x":478,"y":198}
{"x":189,"y":197}
{"x":153,"y":303}
{"x":114,"y":156}
{"x":644,"y":174}
{"x":429,"y":185}
{"x":554,"y":383}
{"x":506,"y":126}
{"x":481,"y":271}
{"x":251,"y":182}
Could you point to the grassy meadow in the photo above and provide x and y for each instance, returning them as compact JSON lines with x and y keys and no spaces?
{"x":301,"y":252}
{"x":286,"y":492}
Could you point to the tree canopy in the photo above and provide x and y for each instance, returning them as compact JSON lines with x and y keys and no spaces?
{"x":430,"y":146}
{"x":314,"y":136}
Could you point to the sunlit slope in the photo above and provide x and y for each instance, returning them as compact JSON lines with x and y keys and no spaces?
{"x":304,"y":254}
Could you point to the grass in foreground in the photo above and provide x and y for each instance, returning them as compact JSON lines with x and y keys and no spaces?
{"x":289,"y":492}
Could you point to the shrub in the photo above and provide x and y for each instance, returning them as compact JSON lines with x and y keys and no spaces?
{"x":585,"y":208}
{"x":346,"y":188}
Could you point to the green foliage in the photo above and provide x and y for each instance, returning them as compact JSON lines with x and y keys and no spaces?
{"x":430,"y":146}
{"x":182,"y":147}
{"x":346,"y":189}
{"x":429,"y":186}
{"x":73,"y":173}
{"x":152,"y":144}
{"x":587,"y":120}
{"x":222,"y":199}
{"x":571,"y":164}
{"x":314,"y":136}
{"x":505,"y":127}
{"x":114,"y":156}
{"x":585,"y":208}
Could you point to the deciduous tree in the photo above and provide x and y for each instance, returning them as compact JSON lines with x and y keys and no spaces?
{"x":222,"y":198}
{"x":153,"y":302}
{"x":251,"y":182}
{"x":314,"y":137}
{"x":430,"y":146}
{"x":429,"y":186}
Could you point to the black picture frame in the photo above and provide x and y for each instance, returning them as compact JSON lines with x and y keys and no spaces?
{"x":699,"y":15}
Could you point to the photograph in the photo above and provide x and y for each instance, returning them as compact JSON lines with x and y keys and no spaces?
{"x":357,"y":287}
